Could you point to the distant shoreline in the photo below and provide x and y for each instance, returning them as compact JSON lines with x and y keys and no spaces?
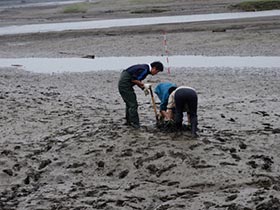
{"x":31,"y":3}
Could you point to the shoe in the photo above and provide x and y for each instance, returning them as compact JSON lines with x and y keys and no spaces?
{"x":134,"y":125}
{"x":195,"y":135}
{"x":127,"y":123}
{"x":186,"y":127}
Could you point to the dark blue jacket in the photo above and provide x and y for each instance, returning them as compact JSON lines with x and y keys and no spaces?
{"x":139,"y":71}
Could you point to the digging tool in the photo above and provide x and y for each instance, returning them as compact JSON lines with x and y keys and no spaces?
{"x":154,"y":104}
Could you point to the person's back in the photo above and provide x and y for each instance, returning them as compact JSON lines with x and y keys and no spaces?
{"x":162,"y":91}
{"x":184,"y":99}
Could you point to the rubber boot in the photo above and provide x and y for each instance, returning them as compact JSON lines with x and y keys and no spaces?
{"x":194,"y":126}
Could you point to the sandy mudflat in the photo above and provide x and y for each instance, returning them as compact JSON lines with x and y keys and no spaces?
{"x":63,"y":144}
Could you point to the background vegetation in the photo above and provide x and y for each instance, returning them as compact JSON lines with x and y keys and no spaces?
{"x":258,"y":5}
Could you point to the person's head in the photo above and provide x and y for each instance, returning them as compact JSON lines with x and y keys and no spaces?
{"x":171,"y":89}
{"x":156,"y":67}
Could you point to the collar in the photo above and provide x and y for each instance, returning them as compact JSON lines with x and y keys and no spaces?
{"x":150,"y":68}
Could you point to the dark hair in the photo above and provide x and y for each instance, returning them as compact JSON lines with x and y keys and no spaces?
{"x":171,"y":89}
{"x":158,"y":65}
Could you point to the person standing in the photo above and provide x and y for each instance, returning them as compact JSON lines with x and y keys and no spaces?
{"x":183,"y":99}
{"x":131,"y":76}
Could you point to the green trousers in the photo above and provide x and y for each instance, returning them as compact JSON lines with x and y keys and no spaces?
{"x":127,"y":92}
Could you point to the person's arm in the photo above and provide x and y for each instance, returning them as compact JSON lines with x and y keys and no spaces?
{"x":138,"y":83}
{"x":170,"y":106}
{"x":163,"y":107}
{"x":138,"y":76}
{"x":164,"y":114}
{"x":169,"y":114}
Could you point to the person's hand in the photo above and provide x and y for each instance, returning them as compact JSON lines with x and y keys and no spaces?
{"x":159,"y":116}
{"x":147,"y":86}
{"x":146,"y":91}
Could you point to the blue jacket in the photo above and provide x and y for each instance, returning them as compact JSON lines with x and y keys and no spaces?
{"x":162,"y":92}
{"x":139,"y":71}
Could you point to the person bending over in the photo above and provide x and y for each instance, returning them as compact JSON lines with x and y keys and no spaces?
{"x":162,"y":91}
{"x":183,"y":99}
{"x":131,"y":76}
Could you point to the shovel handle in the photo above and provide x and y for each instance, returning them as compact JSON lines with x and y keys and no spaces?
{"x":154,"y":103}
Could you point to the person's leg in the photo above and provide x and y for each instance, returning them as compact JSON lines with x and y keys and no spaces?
{"x":179,"y":103}
{"x":127,"y":93}
{"x":194,"y":124}
{"x":189,"y":118}
{"x":131,"y":102}
{"x":187,"y":97}
{"x":127,"y":115}
{"x":129,"y":98}
{"x":192,"y":104}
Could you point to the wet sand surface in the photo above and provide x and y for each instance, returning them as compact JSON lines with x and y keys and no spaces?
{"x":63,"y":144}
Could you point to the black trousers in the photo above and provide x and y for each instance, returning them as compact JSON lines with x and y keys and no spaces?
{"x":127,"y":92}
{"x":186,"y":98}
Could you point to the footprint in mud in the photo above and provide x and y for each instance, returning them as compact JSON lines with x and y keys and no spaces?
{"x":75,"y":165}
{"x":44,"y":164}
{"x":276,"y":130}
{"x":252,"y":163}
{"x":262,"y":113}
{"x":126,"y":153}
{"x":236,"y":157}
{"x":232,"y":206}
{"x":180,"y":155}
{"x":263,"y":161}
{"x":271,"y":204}
{"x":231,"y":197}
{"x":123,"y":174}
{"x":242,"y":145}
{"x":100,"y":164}
{"x":32,"y":175}
{"x":267,"y":126}
{"x":8,"y":171}
{"x":140,"y":161}
{"x":201,"y":166}
{"x":209,"y":204}
{"x":154,"y":170}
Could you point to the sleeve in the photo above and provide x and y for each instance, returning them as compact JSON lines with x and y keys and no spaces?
{"x":139,"y":72}
{"x":164,"y":101}
{"x":163,"y":105}
{"x":171,"y":101}
{"x":142,"y":74}
{"x":135,"y":75}
{"x":157,"y":90}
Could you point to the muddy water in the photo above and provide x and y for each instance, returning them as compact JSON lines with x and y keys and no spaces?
{"x":57,"y":65}
{"x":30,"y":3}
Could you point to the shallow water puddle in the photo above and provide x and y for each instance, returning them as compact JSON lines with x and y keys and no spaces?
{"x":52,"y":27}
{"x":58,"y":65}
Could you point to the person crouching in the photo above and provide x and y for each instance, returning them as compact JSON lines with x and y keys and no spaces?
{"x":183,"y":99}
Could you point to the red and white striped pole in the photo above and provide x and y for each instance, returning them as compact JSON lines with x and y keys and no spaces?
{"x":166,"y":51}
